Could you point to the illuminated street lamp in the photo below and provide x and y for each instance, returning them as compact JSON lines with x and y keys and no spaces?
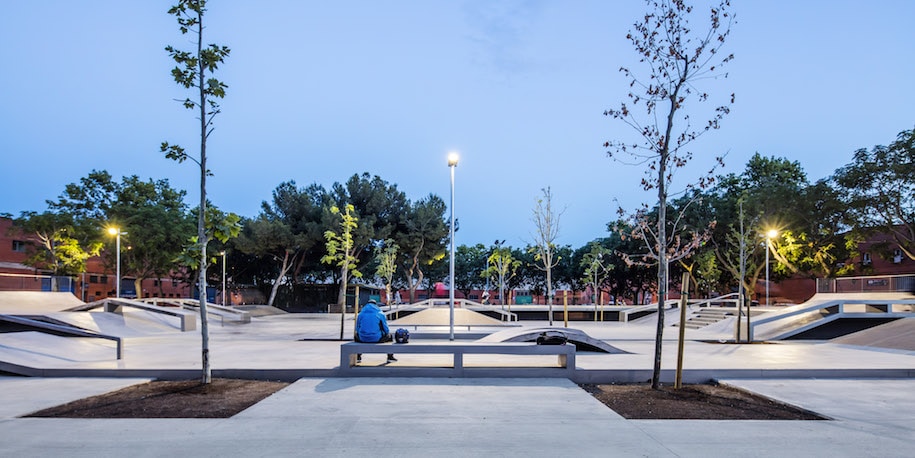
{"x":452,"y":163}
{"x":771,"y":234}
{"x":116,"y":231}
{"x":223,"y":254}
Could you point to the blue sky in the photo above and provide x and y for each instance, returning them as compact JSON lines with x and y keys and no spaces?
{"x":319,"y":91}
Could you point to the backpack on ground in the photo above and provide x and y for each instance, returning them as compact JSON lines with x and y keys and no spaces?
{"x":552,"y":338}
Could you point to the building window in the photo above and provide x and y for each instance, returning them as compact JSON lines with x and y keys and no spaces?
{"x":93,"y":279}
{"x":897,"y":256}
{"x":19,"y":246}
{"x":174,"y":283}
{"x":866,"y":259}
{"x":156,"y":282}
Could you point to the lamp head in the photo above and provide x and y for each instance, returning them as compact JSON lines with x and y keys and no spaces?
{"x":452,"y":159}
{"x":772,"y":233}
{"x":113,"y":230}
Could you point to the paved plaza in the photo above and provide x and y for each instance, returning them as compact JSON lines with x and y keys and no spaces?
{"x":867,"y":392}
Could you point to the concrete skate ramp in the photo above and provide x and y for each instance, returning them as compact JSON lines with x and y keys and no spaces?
{"x":38,"y":349}
{"x":132,"y":323}
{"x":35,"y":302}
{"x":898,"y":335}
{"x":823,"y":308}
{"x":442,"y":317}
{"x":582,"y":341}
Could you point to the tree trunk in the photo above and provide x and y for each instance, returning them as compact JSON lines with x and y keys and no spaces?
{"x":549,"y":287}
{"x":276,"y":284}
{"x":341,"y":296}
{"x":201,"y":217}
{"x":410,"y":283}
{"x":662,"y":239}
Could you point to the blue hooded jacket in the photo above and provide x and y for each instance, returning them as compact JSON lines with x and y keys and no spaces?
{"x":371,"y":325}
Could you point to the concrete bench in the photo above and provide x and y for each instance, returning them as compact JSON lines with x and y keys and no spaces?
{"x":565,"y":354}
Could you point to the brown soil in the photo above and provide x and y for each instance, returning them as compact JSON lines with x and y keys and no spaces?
{"x":694,"y":402}
{"x":221,"y":398}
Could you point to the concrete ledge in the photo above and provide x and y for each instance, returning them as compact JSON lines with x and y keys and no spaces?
{"x":577,"y":376}
{"x":565,"y":355}
{"x":188,"y":319}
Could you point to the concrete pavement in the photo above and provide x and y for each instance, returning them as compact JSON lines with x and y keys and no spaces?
{"x":466,"y":417}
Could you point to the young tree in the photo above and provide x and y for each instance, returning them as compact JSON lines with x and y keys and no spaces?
{"x":502,"y":268}
{"x":597,"y":268}
{"x":191,"y":72}
{"x":341,"y":252}
{"x":546,"y":223}
{"x":678,"y":58}
{"x":386,"y":256}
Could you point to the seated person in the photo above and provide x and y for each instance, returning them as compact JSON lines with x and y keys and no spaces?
{"x":372,"y":327}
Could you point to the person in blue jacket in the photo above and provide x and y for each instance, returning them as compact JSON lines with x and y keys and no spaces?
{"x":372,"y":327}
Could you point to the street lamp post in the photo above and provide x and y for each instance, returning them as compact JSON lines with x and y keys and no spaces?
{"x":771,"y":234}
{"x":452,"y":163}
{"x":223,"y":253}
{"x":116,"y":231}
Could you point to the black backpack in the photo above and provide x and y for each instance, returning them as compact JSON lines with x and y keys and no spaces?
{"x":552,"y":338}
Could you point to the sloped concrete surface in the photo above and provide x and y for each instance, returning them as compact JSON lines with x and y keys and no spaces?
{"x":899,"y":335}
{"x":35,"y":302}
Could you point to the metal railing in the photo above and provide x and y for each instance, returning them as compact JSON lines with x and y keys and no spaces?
{"x":63,"y":330}
{"x":876,"y":284}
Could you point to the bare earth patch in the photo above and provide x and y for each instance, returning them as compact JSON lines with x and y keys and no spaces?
{"x":221,"y":398}
{"x":693,"y":402}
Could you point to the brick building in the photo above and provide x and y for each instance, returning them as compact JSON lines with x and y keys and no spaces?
{"x":98,"y":282}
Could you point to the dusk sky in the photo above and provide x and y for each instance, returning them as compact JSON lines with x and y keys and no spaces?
{"x":319,"y":91}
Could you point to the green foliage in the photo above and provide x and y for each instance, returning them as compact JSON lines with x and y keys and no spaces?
{"x":56,"y":250}
{"x":502,"y":268}
{"x":422,"y":235}
{"x":597,"y":267}
{"x":386,"y":257}
{"x":220,"y":226}
{"x":469,"y":262}
{"x":340,"y":246}
{"x":879,"y":191}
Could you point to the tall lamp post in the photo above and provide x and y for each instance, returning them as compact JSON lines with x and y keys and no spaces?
{"x":771,"y":234}
{"x":223,"y":254}
{"x":116,"y":231}
{"x":452,"y":163}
